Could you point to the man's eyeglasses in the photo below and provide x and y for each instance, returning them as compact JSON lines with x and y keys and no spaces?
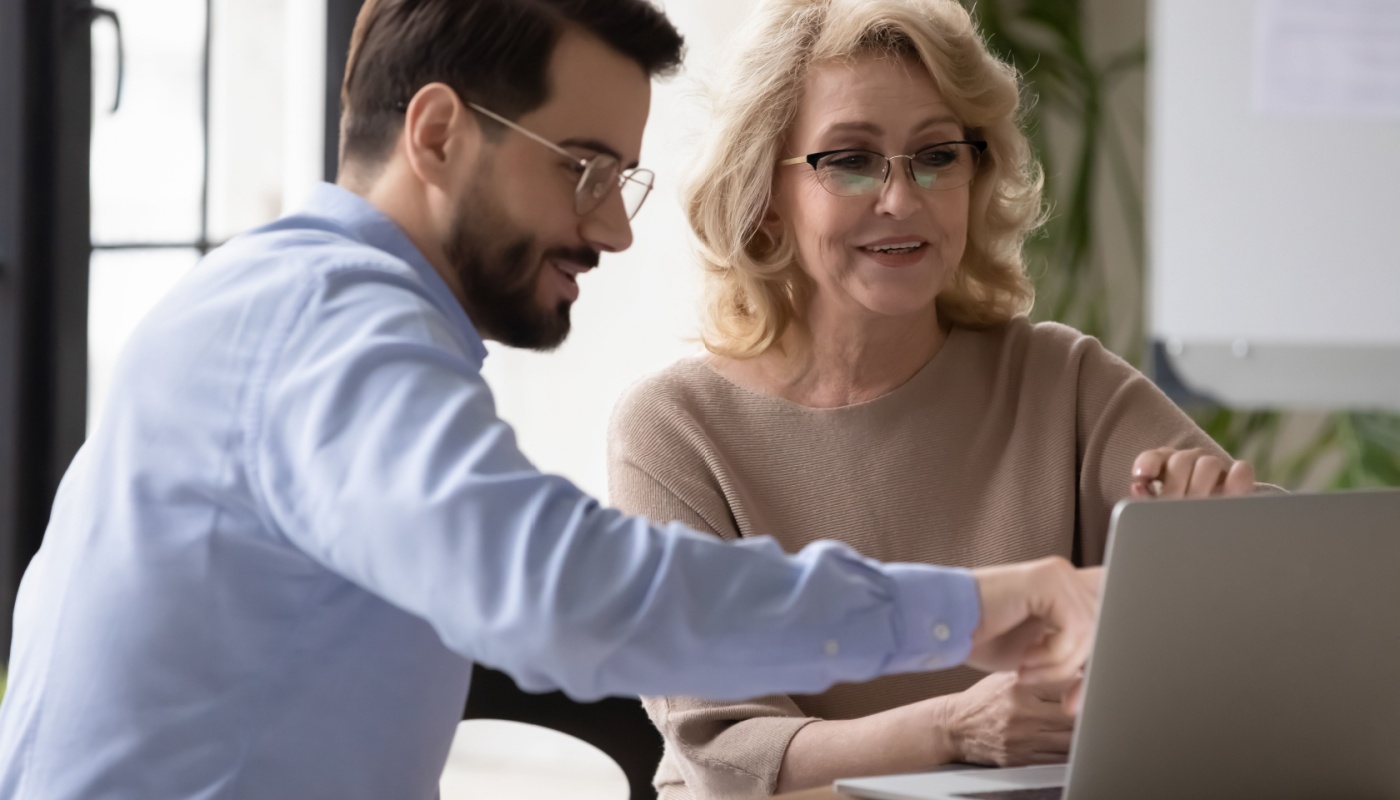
{"x":946,"y":165}
{"x":597,"y":175}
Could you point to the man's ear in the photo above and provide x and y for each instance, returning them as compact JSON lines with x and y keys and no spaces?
{"x":438,"y":132}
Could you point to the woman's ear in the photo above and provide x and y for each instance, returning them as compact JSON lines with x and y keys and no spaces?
{"x":770,"y":228}
{"x":771,"y":221}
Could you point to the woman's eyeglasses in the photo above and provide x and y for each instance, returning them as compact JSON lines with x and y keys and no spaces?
{"x":946,"y":165}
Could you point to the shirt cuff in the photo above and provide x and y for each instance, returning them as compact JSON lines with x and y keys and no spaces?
{"x":937,"y":609}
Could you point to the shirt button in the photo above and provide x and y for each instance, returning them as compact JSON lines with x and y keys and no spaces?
{"x":934,"y":663}
{"x":832,"y":647}
{"x":941,"y":632}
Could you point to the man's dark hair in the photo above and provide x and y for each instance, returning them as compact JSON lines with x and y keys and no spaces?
{"x":493,"y":52}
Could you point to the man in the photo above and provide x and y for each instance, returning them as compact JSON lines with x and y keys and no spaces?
{"x":299,"y":520}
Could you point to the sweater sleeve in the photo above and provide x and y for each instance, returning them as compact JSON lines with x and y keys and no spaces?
{"x":1121,"y":413}
{"x":659,"y":466}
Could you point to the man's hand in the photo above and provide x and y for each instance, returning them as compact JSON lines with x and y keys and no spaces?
{"x":1167,"y":472}
{"x":1038,"y":619}
{"x":1000,"y":721}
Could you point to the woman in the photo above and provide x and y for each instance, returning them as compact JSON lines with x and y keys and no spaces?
{"x":860,"y":211}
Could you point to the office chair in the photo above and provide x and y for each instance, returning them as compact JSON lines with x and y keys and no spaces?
{"x":617,"y":726}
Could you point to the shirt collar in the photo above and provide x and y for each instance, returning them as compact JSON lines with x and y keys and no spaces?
{"x":363,"y":221}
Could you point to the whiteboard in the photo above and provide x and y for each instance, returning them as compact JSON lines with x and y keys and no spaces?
{"x":1274,"y":201}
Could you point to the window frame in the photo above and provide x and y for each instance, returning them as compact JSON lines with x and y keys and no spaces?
{"x":46,"y":249}
{"x":46,"y":93}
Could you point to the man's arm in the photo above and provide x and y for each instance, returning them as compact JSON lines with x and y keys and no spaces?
{"x":376,"y":449}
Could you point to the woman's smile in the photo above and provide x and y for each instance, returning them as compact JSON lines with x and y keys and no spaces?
{"x":902,"y":251}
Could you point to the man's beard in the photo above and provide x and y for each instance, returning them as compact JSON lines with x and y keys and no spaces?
{"x":499,"y":269}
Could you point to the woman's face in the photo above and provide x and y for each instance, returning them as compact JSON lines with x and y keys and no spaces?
{"x":889,"y":106}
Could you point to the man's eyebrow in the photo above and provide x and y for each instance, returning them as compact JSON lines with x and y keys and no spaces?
{"x":597,"y":147}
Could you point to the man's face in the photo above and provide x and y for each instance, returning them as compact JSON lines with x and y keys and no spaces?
{"x":518,"y":245}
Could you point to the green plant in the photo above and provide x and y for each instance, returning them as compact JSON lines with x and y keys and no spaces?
{"x":1045,"y":40}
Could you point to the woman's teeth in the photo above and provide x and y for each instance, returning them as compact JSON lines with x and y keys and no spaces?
{"x":905,"y":247}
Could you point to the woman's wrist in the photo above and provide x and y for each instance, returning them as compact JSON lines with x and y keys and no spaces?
{"x":941,"y":721}
{"x":910,"y":738}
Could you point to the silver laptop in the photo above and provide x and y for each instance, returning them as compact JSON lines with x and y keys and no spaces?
{"x":1246,"y":648}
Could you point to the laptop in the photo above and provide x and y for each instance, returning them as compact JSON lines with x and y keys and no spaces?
{"x":1246,"y":648}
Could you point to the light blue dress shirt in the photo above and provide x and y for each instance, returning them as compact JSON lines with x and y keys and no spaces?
{"x":300,"y":520}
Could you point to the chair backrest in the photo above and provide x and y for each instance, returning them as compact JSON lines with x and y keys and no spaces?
{"x":617,"y":726}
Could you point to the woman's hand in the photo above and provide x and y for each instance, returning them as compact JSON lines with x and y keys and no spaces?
{"x":1002,"y":722}
{"x":1171,"y":473}
{"x":1038,"y":619}
{"x":999,"y":720}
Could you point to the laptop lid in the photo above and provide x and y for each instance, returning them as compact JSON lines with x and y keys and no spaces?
{"x":1247,"y":647}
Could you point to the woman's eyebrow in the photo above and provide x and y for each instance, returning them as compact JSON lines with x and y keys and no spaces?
{"x":859,"y":126}
{"x":853,"y":127}
{"x":945,"y":122}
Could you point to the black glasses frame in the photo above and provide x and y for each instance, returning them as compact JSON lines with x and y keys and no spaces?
{"x":813,"y":159}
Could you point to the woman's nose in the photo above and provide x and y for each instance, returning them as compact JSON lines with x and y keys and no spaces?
{"x":898,"y":194}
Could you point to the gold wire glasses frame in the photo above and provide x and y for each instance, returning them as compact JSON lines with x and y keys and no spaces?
{"x":852,"y":172}
{"x":597,"y":175}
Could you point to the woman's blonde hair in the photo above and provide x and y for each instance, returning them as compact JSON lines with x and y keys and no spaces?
{"x":754,"y":286}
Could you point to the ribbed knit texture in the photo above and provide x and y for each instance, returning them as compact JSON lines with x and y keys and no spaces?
{"x":1013,"y":443}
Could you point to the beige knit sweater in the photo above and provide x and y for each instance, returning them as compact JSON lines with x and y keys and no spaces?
{"x":1011,"y":444}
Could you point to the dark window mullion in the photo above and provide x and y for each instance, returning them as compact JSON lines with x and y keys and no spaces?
{"x":46,"y":97}
{"x":340,"y":22}
{"x":15,"y":26}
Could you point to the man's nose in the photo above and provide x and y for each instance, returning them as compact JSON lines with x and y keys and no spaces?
{"x":607,"y":228}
